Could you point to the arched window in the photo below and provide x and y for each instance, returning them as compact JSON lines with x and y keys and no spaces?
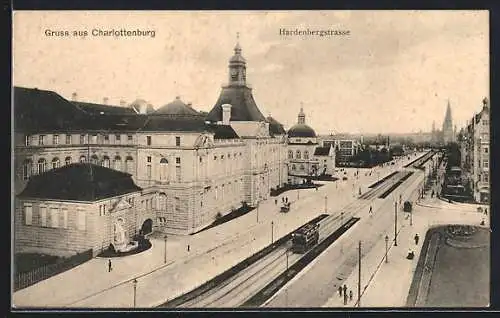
{"x":106,"y":162}
{"x":117,"y":163}
{"x":67,"y":161}
{"x":294,"y":167}
{"x":129,"y":164}
{"x":56,"y":163}
{"x":42,"y":165}
{"x":290,"y":154}
{"x":302,"y":167}
{"x":83,"y":159}
{"x":163,"y":169}
{"x":94,"y":159}
{"x":27,"y":169}
{"x":298,"y":154}
{"x":306,"y":154}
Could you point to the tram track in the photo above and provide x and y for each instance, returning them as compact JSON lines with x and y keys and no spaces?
{"x":240,"y":286}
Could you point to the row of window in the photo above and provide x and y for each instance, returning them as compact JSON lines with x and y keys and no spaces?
{"x":54,"y":218}
{"x":228,"y":156}
{"x":94,"y":139}
{"x":42,"y":165}
{"x":298,"y":154}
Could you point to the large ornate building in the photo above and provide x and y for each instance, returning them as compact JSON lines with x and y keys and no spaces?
{"x":187,"y":167}
{"x":306,"y":157}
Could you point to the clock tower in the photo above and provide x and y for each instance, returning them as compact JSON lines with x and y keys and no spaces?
{"x":237,"y":67}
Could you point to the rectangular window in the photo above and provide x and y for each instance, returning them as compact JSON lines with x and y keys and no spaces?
{"x":68,"y":139}
{"x":148,"y":171}
{"x":486,"y":163}
{"x":178,"y":160}
{"x":177,"y":204}
{"x":177,"y":141}
{"x":41,"y":140}
{"x":485,"y":122}
{"x":27,"y":140}
{"x":118,"y":138}
{"x":43,"y":216}
{"x":130,"y":138}
{"x":148,"y":158}
{"x":65,"y":218}
{"x":28,"y":214}
{"x":148,"y":140}
{"x":485,"y":149}
{"x":94,"y":139}
{"x":81,"y":220}
{"x":106,"y":139}
{"x":82,"y":139}
{"x":55,"y":140}
{"x":100,"y":210}
{"x":486,"y":178}
{"x":54,"y":217}
{"x":178,"y":173}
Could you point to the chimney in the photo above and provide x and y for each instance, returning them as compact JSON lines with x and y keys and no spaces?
{"x":142,"y":108}
{"x":105,"y":100}
{"x":190,"y":105}
{"x":74,"y":97}
{"x":226,"y":114}
{"x":123,"y":103}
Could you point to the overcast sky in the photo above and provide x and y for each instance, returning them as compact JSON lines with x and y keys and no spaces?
{"x":394,"y":72}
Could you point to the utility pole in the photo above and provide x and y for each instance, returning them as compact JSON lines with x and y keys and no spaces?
{"x":272,"y":232}
{"x":386,"y":247}
{"x":326,"y":204}
{"x":359,"y":274}
{"x":165,"y":253}
{"x":395,"y":223}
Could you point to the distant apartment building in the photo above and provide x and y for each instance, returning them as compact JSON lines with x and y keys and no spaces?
{"x":345,"y":148}
{"x":475,"y":150}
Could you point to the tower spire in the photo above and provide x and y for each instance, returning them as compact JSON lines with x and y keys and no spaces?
{"x":302,"y":117}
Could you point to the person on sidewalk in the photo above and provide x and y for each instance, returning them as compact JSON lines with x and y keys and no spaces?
{"x":350,"y":295}
{"x":340,"y":291}
{"x":416,"y":239}
{"x":110,"y":268}
{"x":344,"y":290}
{"x":275,"y":201}
{"x":371,"y":210}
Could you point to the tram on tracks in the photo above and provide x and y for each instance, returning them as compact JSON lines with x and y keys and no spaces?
{"x":305,"y":238}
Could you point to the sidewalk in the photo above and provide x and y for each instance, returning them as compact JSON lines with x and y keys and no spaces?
{"x":211,"y":252}
{"x":387,"y":284}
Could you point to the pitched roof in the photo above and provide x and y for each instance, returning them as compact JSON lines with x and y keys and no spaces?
{"x":321,"y":151}
{"x":41,"y":110}
{"x":243,"y":105}
{"x":275,"y":127}
{"x":177,"y":107}
{"x":79,"y":182}
{"x":222,"y":131}
{"x":100,"y":109}
{"x":174,"y":123}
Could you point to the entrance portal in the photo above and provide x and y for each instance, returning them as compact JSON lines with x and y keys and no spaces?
{"x":147,"y":227}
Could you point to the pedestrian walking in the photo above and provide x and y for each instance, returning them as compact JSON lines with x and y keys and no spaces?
{"x":340,"y":291}
{"x":350,"y":295}
{"x":344,"y":289}
{"x":345,"y":299}
{"x":110,"y":268}
{"x":416,"y":239}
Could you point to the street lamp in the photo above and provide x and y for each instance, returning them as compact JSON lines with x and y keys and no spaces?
{"x":342,"y":218}
{"x":134,"y":282}
{"x":326,"y":204}
{"x":359,"y":274}
{"x":165,"y":252}
{"x":396,"y":223}
{"x":298,"y":194}
{"x":272,"y":232}
{"x":386,"y":247}
{"x":257,"y":212}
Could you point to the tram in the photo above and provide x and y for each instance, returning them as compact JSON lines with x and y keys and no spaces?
{"x":305,"y":238}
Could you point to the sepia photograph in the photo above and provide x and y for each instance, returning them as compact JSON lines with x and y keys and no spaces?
{"x":250,"y":159}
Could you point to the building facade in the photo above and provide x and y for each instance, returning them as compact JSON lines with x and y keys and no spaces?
{"x":191,"y":167}
{"x":475,"y":149}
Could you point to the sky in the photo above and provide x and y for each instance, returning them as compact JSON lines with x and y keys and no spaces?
{"x":393,"y":73}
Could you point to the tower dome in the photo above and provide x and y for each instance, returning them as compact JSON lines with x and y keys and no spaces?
{"x":301,"y":129}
